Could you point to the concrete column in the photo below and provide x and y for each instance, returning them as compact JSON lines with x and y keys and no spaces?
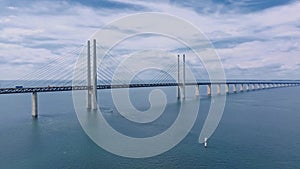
{"x":34,"y":112}
{"x":178,"y":77}
{"x":262,"y":86}
{"x":241,"y":88}
{"x":247,"y":87}
{"x":227,"y":88}
{"x":94,"y":106}
{"x":209,"y":90}
{"x":253,"y":86}
{"x":197,"y":92}
{"x":89,"y":82}
{"x":183,"y":77}
{"x":219,"y":89}
{"x":234,"y":88}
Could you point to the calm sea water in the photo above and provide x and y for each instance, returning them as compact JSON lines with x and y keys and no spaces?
{"x":259,"y":129}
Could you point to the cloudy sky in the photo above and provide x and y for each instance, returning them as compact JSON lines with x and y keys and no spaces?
{"x":255,"y":39}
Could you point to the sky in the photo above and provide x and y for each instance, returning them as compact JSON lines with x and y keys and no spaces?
{"x":254,"y":39}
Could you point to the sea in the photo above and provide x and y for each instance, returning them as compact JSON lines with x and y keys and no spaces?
{"x":258,"y":129}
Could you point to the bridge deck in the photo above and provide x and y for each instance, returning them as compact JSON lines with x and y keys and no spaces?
{"x":115,"y":86}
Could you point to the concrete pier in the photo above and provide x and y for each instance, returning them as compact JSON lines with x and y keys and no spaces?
{"x":209,"y":90}
{"x":234,"y":88}
{"x":34,"y":112}
{"x":258,"y":86}
{"x":197,"y":92}
{"x":253,"y":86}
{"x":94,"y":94}
{"x":219,"y":89}
{"x":241,"y":88}
{"x":227,"y":89}
{"x":247,"y":87}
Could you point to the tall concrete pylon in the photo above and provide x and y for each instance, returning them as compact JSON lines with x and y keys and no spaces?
{"x":178,"y":76}
{"x":89,"y":81}
{"x":94,"y":94}
{"x":183,"y":77}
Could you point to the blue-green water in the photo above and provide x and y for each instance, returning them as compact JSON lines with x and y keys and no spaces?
{"x":259,"y":129}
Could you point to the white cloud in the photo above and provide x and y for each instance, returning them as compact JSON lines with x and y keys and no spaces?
{"x":40,"y":29}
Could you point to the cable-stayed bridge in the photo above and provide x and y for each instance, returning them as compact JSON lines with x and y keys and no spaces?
{"x":59,"y":75}
{"x":255,"y":84}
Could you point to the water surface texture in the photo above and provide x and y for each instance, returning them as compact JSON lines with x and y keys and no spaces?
{"x":259,"y":129}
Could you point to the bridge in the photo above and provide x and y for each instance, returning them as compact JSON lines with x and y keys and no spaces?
{"x":92,"y":74}
{"x":254,"y":85}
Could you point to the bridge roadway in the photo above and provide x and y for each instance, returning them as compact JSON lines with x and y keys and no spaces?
{"x":138,"y":85}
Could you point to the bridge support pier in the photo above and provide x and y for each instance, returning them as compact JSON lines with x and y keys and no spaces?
{"x":247,"y":87}
{"x":241,"y":88}
{"x":34,"y":112}
{"x":209,"y":90}
{"x":219,"y":89}
{"x":197,"y":92}
{"x":253,"y":86}
{"x":234,"y":88}
{"x":227,"y":89}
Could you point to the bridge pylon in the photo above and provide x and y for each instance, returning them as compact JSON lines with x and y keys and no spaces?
{"x":178,"y":76}
{"x":181,"y":85}
{"x":183,"y":78}
{"x":92,"y":77}
{"x":89,"y":81}
{"x":94,"y":91}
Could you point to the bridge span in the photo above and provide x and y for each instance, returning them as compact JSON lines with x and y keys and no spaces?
{"x":243,"y":86}
{"x":250,"y":85}
{"x":91,"y":84}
